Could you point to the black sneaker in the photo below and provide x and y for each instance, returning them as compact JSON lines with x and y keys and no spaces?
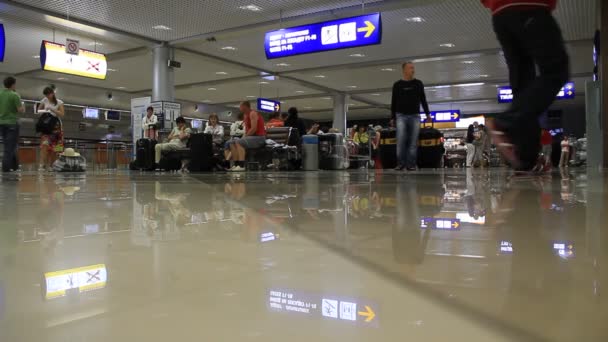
{"x":411,"y":169}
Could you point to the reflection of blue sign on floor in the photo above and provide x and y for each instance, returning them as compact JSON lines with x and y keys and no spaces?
{"x":439,"y":223}
{"x":359,"y":311}
{"x":568,"y":91}
{"x":330,"y":35}
{"x":564,"y":249}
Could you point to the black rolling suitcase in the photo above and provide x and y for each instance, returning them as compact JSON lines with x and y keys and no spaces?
{"x":388,"y":148}
{"x":430,"y":148}
{"x":144,"y":155}
{"x":201,"y":153}
{"x":333,"y":154}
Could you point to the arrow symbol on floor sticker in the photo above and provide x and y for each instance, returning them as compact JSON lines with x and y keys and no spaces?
{"x":369,"y":313}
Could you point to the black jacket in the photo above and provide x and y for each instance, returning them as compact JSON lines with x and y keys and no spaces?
{"x":407,"y":98}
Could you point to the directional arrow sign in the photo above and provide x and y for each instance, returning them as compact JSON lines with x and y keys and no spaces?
{"x":268,"y":106}
{"x":505,"y":94}
{"x":444,"y":116}
{"x":325,"y":36}
{"x":369,"y":314}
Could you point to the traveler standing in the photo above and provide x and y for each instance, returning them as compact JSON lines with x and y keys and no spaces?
{"x":564,"y":160}
{"x":149,"y":124}
{"x":408,"y":95}
{"x":52,"y":143}
{"x":10,"y":105}
{"x":530,"y":37}
{"x":546,"y":142}
{"x":471,"y":149}
{"x":294,"y":121}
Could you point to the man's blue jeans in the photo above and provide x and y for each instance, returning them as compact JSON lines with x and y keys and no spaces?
{"x":10,"y":135}
{"x":408,"y":128}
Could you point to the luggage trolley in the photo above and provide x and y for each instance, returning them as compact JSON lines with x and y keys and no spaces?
{"x":361,"y":156}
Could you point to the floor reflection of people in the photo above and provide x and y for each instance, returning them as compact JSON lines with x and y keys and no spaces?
{"x":540,"y":281}
{"x":50,"y":216}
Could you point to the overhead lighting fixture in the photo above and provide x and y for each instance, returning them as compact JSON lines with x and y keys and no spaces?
{"x":441,"y":86}
{"x":95,"y":43}
{"x":447,"y":45}
{"x":375,"y":94}
{"x":468,"y":62}
{"x":221,"y":73}
{"x":61,"y":78}
{"x":320,"y":76}
{"x":357,"y":55}
{"x":162,"y":28}
{"x":469,"y":84}
{"x":263,"y":82}
{"x":484,"y":76}
{"x":300,"y":91}
{"x":388,"y":69}
{"x":212,"y":89}
{"x":36,"y":56}
{"x":253,"y":8}
{"x":414,"y":19}
{"x":229,"y":48}
{"x":121,"y":88}
{"x":283,"y":64}
{"x":352,"y":104}
{"x":112,"y":70}
{"x":251,"y":97}
{"x":352,"y":87}
{"x":307,"y":107}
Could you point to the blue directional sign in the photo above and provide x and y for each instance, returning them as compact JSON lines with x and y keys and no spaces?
{"x":268,"y":106}
{"x":326,"y":36}
{"x":444,"y":116}
{"x":568,"y":91}
{"x":2,"y":42}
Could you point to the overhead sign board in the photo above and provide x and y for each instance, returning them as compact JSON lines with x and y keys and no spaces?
{"x":443,"y":116}
{"x":2,"y":42}
{"x":53,"y":57}
{"x":325,"y":36}
{"x":269,"y":106}
{"x":82,"y":279}
{"x":568,"y":91}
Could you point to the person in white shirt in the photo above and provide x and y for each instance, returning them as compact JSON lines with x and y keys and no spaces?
{"x":149,"y":123}
{"x":51,"y":144}
{"x":565,"y":157}
{"x":177,"y":139}
{"x":215,"y":129}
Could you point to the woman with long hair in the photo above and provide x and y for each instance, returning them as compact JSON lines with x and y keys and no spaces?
{"x":51,"y":144}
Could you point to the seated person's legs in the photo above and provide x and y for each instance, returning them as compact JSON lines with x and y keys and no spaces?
{"x":240,"y":147}
{"x":160,"y":148}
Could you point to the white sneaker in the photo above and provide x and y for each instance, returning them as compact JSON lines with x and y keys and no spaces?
{"x":237,"y":169}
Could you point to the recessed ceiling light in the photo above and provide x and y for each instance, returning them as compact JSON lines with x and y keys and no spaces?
{"x":414,"y":19}
{"x":375,"y":94}
{"x":95,"y":43}
{"x":320,"y":76}
{"x":251,"y":97}
{"x":441,"y":86}
{"x":468,"y":62}
{"x":253,"y":8}
{"x":113,"y":70}
{"x":387,"y":69}
{"x":263,"y":82}
{"x":326,"y":98}
{"x":484,"y":76}
{"x":229,"y":48}
{"x":352,"y":87}
{"x":121,"y":88}
{"x":447,"y":45}
{"x":283,"y":64}
{"x":469,"y":84}
{"x":162,"y":28}
{"x":352,"y":104}
{"x":300,"y":91}
{"x":307,"y":107}
{"x":357,"y":55}
{"x":212,"y":89}
{"x":61,"y":78}
{"x":36,"y":56}
{"x":221,"y":73}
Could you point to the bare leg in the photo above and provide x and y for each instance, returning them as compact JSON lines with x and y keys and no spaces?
{"x":43,"y":156}
{"x":240,"y":156}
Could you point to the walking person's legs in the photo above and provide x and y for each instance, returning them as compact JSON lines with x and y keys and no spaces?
{"x":470,"y":154}
{"x":413,"y":130}
{"x":9,"y":139}
{"x":401,"y":123}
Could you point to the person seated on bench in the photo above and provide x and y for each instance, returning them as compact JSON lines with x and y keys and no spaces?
{"x":275,"y":121}
{"x":215,"y":129}
{"x":254,"y":138}
{"x":177,"y":139}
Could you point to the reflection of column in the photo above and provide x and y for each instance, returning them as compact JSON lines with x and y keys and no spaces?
{"x":340,"y":217}
{"x":163,"y":77}
{"x":340,"y":111}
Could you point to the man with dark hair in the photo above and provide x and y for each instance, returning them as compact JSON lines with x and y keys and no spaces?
{"x":530,"y":37}
{"x":294,"y":121}
{"x":177,"y":139}
{"x":408,"y":95}
{"x":254,"y":138}
{"x":10,"y":105}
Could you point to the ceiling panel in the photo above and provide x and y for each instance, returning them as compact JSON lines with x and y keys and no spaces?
{"x":196,"y":68}
{"x":464,"y":23}
{"x":185,"y":18}
{"x":245,"y":90}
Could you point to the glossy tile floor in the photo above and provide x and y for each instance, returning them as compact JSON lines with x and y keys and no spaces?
{"x":335,"y":256}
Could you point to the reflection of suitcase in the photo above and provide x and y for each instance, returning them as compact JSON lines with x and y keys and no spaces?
{"x":201,"y":153}
{"x":144,"y":154}
{"x":388,"y":148}
{"x":170,"y":162}
{"x":430,"y":148}
{"x":333,"y":154}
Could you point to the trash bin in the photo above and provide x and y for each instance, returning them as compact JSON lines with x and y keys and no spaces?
{"x":310,"y":152}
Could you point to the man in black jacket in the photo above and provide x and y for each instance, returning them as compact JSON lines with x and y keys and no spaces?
{"x":408,"y":95}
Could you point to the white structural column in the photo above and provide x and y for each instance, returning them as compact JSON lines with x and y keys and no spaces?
{"x":163,"y":76}
{"x":340,"y":111}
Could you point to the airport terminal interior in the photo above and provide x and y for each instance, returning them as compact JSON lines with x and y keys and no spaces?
{"x":127,"y":212}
